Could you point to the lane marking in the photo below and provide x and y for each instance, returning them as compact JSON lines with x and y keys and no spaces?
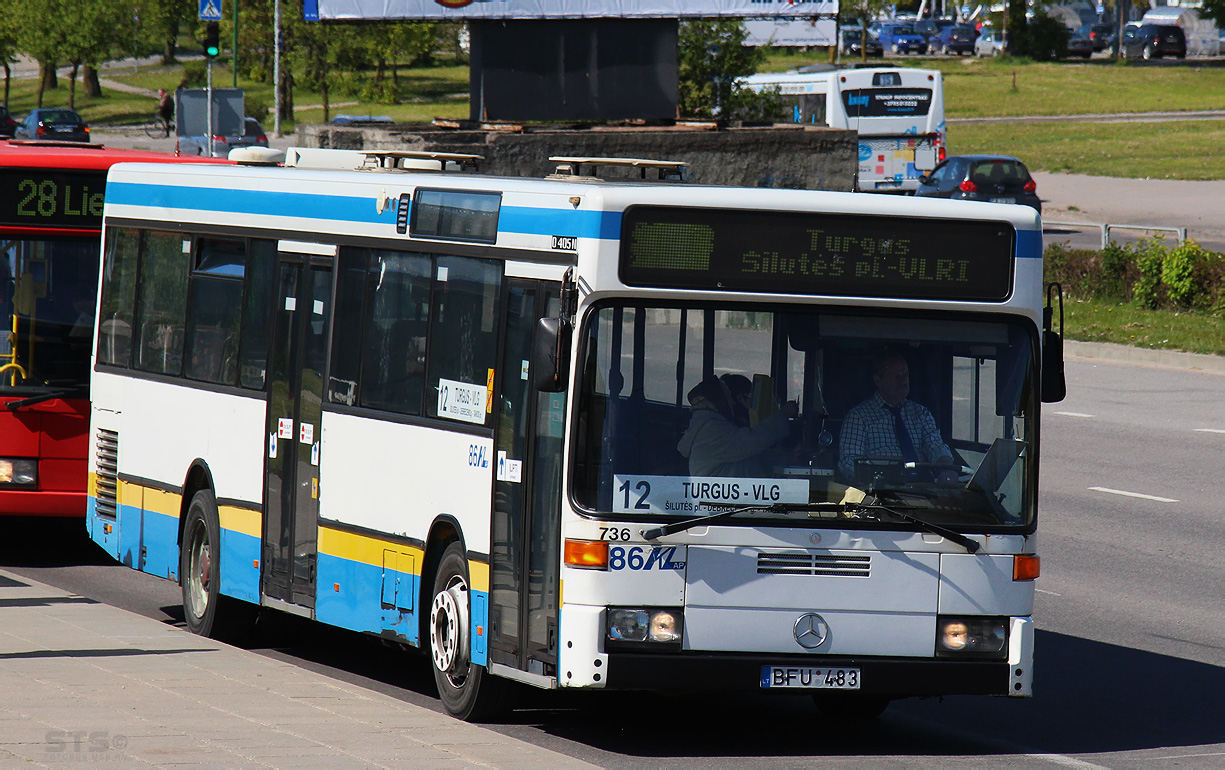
{"x":1210,"y":430}
{"x":1154,"y":498}
{"x":1044,"y":591}
{"x":1074,"y":414}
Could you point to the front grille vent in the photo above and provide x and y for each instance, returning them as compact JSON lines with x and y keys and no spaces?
{"x":106,"y":456}
{"x":817,"y":564}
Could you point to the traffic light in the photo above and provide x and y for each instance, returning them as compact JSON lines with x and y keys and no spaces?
{"x":212,"y":40}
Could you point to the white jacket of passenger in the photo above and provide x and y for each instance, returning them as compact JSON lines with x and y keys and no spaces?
{"x":717,"y":446}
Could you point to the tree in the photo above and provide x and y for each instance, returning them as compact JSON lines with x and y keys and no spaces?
{"x":711,"y":56}
{"x":1215,"y":10}
{"x":8,"y":43}
{"x":864,"y":12}
{"x":1045,"y":38}
{"x":93,"y":37}
{"x":158,"y":24}
{"x":41,"y":28}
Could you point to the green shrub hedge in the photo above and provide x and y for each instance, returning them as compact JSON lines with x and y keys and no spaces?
{"x":1150,"y":272}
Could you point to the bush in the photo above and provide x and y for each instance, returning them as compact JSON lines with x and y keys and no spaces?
{"x":1147,"y":271}
{"x":1150,"y":259}
{"x":1045,"y":38}
{"x":195,"y":74}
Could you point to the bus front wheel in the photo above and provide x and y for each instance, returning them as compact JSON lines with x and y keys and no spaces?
{"x":205,"y":610}
{"x":466,"y":689}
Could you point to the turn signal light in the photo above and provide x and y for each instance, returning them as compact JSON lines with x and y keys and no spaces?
{"x":1026,"y":567}
{"x":587,"y":554}
{"x":1031,"y":186}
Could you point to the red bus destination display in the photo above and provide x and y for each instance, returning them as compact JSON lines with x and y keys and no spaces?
{"x":35,"y":197}
{"x":815,"y":253}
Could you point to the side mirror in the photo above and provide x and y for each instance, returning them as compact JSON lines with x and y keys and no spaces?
{"x":923,"y":179}
{"x":550,"y":356}
{"x":1054,"y":385}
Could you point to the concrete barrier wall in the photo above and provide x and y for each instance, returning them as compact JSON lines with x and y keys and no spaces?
{"x":783,"y":156}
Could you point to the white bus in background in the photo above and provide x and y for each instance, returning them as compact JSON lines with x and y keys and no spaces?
{"x":897,"y":112}
{"x":417,"y":404}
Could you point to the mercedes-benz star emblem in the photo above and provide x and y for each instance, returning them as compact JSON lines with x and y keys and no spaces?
{"x":810,"y":630}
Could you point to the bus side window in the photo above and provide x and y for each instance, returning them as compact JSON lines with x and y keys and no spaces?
{"x":257,"y":313}
{"x":393,"y":344}
{"x":118,"y":296}
{"x":161,"y":304}
{"x":215,"y":310}
{"x":462,"y":349}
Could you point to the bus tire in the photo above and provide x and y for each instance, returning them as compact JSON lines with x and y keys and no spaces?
{"x":205,"y":610}
{"x":467,"y":690}
{"x":851,"y":707}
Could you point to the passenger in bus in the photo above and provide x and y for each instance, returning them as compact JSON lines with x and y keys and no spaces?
{"x":890,"y":425}
{"x":719,"y":440}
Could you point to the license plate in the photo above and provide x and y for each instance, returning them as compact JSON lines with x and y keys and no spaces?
{"x":1003,"y":200}
{"x":809,"y":678}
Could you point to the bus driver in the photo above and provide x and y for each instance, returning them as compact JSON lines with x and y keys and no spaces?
{"x":891,"y":425}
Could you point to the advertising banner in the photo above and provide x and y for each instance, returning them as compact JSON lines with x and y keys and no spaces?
{"x":337,"y":10}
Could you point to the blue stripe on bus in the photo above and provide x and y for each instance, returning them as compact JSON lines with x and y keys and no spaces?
{"x":1029,"y":244}
{"x":349,"y":594}
{"x":521,"y":220}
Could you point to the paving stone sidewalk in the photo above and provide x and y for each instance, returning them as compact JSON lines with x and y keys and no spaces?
{"x":83,"y":682}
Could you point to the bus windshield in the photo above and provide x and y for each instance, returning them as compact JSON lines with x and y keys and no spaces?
{"x":47,"y":292}
{"x":683,"y":409}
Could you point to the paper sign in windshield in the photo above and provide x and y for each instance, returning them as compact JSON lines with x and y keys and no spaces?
{"x":461,"y":401}
{"x":690,"y":495}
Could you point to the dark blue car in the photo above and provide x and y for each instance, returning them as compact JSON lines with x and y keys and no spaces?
{"x":957,"y":39}
{"x":988,"y":178}
{"x":901,"y":38}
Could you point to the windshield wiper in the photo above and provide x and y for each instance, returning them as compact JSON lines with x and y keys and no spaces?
{"x":936,"y":529}
{"x":681,"y":526}
{"x":13,"y":406}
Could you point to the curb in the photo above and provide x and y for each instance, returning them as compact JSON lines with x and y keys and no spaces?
{"x":1125,"y":354}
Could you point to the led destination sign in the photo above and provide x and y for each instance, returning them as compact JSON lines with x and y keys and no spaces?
{"x":809,"y":253}
{"x":51,"y":198}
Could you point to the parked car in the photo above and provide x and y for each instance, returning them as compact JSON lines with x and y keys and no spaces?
{"x":55,"y":123}
{"x":955,"y":39}
{"x":989,"y":43}
{"x":7,"y":123}
{"x":1079,"y":46}
{"x":1101,"y":35}
{"x":991,"y":178}
{"x":930,"y":28}
{"x":252,"y":136}
{"x":854,"y":41}
{"x":901,"y":38}
{"x":1152,"y":41}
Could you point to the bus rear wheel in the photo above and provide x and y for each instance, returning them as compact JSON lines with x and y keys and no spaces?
{"x":205,"y":610}
{"x":467,"y":690}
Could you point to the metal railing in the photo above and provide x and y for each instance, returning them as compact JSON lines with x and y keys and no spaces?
{"x":1106,"y":229}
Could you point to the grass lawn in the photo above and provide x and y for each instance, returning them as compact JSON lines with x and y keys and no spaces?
{"x":1129,"y":324}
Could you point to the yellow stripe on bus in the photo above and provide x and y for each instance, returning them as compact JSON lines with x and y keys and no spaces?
{"x":243,"y":520}
{"x":362,"y":548}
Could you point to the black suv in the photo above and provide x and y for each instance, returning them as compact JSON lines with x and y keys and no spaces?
{"x":1152,"y":41}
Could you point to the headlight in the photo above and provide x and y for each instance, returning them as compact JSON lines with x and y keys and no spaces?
{"x":971,"y":637}
{"x":18,"y":473}
{"x":651,"y":626}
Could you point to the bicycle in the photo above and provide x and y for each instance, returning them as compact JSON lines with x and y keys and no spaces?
{"x":159,"y":127}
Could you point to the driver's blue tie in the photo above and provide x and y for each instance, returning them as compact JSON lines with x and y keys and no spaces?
{"x":903,"y":436}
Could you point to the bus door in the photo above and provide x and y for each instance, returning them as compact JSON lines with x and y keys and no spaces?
{"x":525,"y":558}
{"x":295,"y":399}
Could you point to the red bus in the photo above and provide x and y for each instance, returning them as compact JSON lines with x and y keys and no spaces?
{"x":50,"y":228}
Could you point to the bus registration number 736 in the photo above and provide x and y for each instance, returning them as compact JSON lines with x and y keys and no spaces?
{"x":810,"y":677}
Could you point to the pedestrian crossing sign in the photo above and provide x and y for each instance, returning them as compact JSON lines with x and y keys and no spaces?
{"x":210,"y":10}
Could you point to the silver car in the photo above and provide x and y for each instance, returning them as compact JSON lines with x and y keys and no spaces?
{"x":252,"y":136}
{"x":989,"y":43}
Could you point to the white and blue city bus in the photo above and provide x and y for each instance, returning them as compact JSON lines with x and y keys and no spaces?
{"x":897,"y":112}
{"x":444,"y":408}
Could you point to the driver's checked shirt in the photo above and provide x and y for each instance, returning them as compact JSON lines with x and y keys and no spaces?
{"x":868,"y":431}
